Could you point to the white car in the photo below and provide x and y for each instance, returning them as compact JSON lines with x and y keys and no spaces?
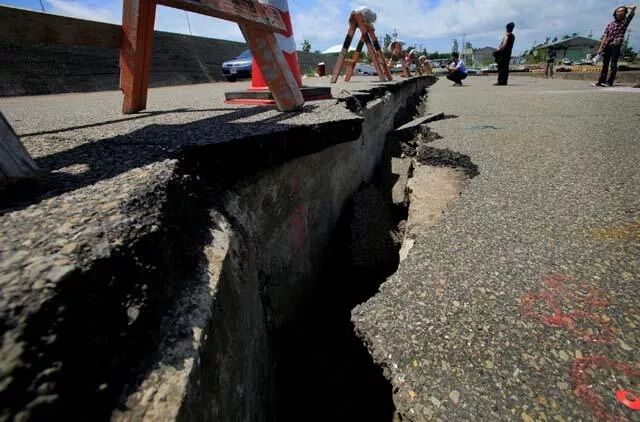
{"x":397,"y":68}
{"x":365,"y":69}
{"x":491,"y":68}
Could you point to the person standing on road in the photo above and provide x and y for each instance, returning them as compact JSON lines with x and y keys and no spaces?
{"x":503,"y":54}
{"x":611,"y":44}
{"x":457,"y":70}
{"x":551,"y":58}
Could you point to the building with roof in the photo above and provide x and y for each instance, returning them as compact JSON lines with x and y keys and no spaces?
{"x":483,"y":55}
{"x":574,"y":49}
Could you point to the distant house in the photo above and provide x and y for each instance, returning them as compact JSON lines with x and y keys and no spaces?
{"x":484,"y":55}
{"x":575,"y":48}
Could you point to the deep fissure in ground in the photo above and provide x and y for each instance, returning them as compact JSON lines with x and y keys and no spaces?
{"x":323,"y":371}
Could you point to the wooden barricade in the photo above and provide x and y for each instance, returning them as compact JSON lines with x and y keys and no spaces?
{"x":368,"y":38}
{"x":258,"y":22}
{"x":15,"y":162}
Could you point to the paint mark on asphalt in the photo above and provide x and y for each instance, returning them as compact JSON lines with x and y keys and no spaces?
{"x":594,"y":380}
{"x":575,"y":306}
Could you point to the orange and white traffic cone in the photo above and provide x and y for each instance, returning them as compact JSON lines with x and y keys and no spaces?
{"x":258,"y":93}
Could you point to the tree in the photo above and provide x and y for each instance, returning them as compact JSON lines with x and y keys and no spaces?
{"x":387,"y":40}
{"x":547,"y":40}
{"x":554,"y":39}
{"x":454,"y":47}
{"x":566,"y":37}
{"x":575,"y":34}
{"x":627,"y":51}
{"x":306,"y":45}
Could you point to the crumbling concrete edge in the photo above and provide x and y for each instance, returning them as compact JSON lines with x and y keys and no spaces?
{"x":167,"y":375}
{"x":167,"y":394}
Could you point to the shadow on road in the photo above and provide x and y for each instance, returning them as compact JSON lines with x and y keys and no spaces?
{"x":231,"y":145}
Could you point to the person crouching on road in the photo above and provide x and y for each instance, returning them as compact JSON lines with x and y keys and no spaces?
{"x":395,"y":52}
{"x":611,"y":43}
{"x":425,"y":66}
{"x":411,"y":58}
{"x":457,"y":70}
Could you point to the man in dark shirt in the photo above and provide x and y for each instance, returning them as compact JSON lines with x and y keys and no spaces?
{"x":611,"y":44}
{"x":551,"y":58}
{"x":503,"y":55}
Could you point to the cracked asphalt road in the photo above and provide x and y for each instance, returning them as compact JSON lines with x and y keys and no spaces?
{"x":522,"y":303}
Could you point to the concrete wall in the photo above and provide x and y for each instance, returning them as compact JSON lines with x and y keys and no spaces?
{"x":30,"y":68}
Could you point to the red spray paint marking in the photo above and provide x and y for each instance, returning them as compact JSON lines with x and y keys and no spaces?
{"x":631,"y":399}
{"x":580,"y":382}
{"x":570,"y":305}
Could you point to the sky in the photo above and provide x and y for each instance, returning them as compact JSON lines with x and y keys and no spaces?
{"x":429,"y":24}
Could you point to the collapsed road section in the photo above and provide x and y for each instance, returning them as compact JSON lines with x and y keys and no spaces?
{"x":152,"y":271}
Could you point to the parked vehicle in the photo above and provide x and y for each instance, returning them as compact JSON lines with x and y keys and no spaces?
{"x":238,"y":67}
{"x":397,"y":68}
{"x":493,"y":67}
{"x":567,"y":62}
{"x":365,"y":69}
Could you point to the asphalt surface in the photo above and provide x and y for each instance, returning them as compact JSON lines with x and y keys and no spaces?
{"x":522,"y":303}
{"x":462,"y":329}
{"x":108,"y":226}
{"x":99,"y":165}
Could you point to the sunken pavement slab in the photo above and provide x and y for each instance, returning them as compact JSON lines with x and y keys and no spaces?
{"x":521,"y":303}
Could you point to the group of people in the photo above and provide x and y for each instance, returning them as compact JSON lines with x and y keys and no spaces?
{"x":609,"y":51}
{"x":397,"y":54}
{"x":458,"y":71}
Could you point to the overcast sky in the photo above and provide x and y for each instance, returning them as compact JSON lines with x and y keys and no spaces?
{"x":431,"y":24}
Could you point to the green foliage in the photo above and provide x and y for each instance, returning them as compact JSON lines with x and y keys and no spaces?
{"x":435,"y":56}
{"x":627,"y":51}
{"x":387,"y":40}
{"x":306,"y":45}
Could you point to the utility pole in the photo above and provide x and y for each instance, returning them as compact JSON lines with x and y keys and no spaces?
{"x":463,"y":49}
{"x":188,"y":23}
{"x":42,"y":6}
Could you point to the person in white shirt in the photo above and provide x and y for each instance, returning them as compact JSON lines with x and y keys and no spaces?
{"x":457,"y":70}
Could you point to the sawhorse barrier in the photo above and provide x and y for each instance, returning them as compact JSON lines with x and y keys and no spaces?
{"x":258,"y":22}
{"x":15,"y":162}
{"x":357,"y":20}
